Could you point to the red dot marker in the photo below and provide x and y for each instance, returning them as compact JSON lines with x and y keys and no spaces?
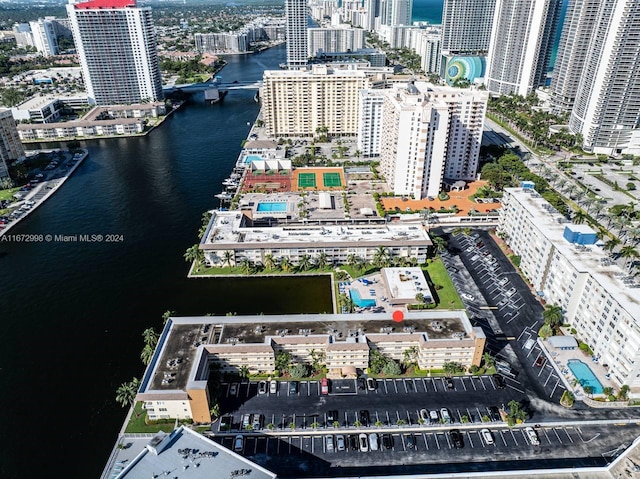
{"x":398,"y":316}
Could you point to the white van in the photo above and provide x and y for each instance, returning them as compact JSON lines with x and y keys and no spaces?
{"x":373,"y":441}
{"x":238,"y":443}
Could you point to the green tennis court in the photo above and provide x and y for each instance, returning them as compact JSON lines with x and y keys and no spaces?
{"x":306,"y":180}
{"x":331,"y":180}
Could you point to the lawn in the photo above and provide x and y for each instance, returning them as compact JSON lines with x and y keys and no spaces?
{"x":137,"y":424}
{"x":8,"y":194}
{"x":447,"y":296}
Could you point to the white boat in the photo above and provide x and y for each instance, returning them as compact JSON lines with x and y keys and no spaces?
{"x":230,"y":182}
{"x":224,"y":196}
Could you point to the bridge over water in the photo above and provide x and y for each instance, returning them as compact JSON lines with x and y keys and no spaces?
{"x":212,"y":85}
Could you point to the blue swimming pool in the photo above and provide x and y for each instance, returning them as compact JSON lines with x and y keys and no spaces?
{"x":584,"y":375}
{"x":275,"y":207}
{"x":250,"y":158}
{"x":358,"y":301}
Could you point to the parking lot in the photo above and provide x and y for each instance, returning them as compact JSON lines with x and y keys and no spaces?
{"x":429,"y":450}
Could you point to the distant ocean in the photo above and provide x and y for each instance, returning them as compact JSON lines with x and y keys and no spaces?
{"x":427,"y":11}
{"x":431,"y":11}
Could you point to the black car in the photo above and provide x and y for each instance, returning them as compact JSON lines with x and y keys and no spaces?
{"x":410,"y":441}
{"x":361,"y":384}
{"x":499,"y":381}
{"x":364,"y":417}
{"x":494,"y":413}
{"x":353,"y":442}
{"x":449,"y":382}
{"x":456,"y":439}
{"x":387,"y":441}
{"x":332,"y":416}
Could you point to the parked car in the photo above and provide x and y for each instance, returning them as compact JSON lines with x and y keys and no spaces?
{"x":424,"y":415}
{"x":532,"y":436}
{"x":456,"y":439}
{"x":233,"y":389}
{"x":540,"y":360}
{"x":387,"y":441}
{"x":486,"y":435}
{"x":262,"y":387}
{"x":238,"y":443}
{"x":257,"y":422}
{"x":340,"y":445}
{"x":503,"y":281}
{"x":511,"y":292}
{"x":449,"y":382}
{"x":494,"y":413}
{"x":410,"y":441}
{"x":364,"y":417}
{"x":373,"y":441}
{"x":293,"y":387}
{"x":324,"y":386}
{"x":468,"y":297}
{"x":363,"y":442}
{"x":273,"y":387}
{"x":434,"y":418}
{"x":329,"y":442}
{"x":499,"y":380}
{"x":371,"y":384}
{"x":246,"y":420}
{"x":353,"y":442}
{"x":361,"y":384}
{"x":444,"y":413}
{"x":332,"y":416}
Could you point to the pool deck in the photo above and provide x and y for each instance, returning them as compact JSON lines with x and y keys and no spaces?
{"x":561,"y":356}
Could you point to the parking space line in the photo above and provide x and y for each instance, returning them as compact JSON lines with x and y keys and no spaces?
{"x":462,"y":381}
{"x":446,"y":435}
{"x":514,"y":437}
{"x":503,"y":439}
{"x":433,"y":383}
{"x":546,"y":435}
{"x":557,"y":435}
{"x":470,"y":441}
{"x":395,"y":385}
{"x":469,"y":415}
{"x":415,"y":386}
{"x":555,"y":387}
{"x":523,"y":331}
{"x":404,"y":447}
{"x":568,"y":435}
{"x":482,"y":382}
{"x":479,"y":414}
{"x":426,"y":389}
{"x":404,"y":384}
{"x":437,"y":442}
{"x":473,"y":383}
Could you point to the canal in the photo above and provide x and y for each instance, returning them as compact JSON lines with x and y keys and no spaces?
{"x":72,"y":313}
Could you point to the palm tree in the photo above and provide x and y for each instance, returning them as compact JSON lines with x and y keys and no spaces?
{"x":146,"y":354}
{"x":285,"y":264}
{"x":553,"y":316}
{"x":439,"y":243}
{"x":579,"y":217}
{"x":166,"y":315}
{"x":322,"y":261}
{"x":269,"y":262}
{"x":126,"y":393}
{"x":243,"y":372}
{"x":611,"y":244}
{"x":628,"y":252}
{"x":150,"y":337}
{"x":381,"y":257}
{"x":228,"y":257}
{"x":489,"y":362}
{"x":194,"y":254}
{"x":305,"y":263}
{"x":246,"y":265}
{"x":355,"y":261}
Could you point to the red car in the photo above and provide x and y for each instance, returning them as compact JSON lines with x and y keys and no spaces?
{"x":324,"y":386}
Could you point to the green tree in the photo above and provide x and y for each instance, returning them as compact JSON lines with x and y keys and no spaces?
{"x":553,"y":317}
{"x":588,"y":390}
{"x":401,"y":422}
{"x":243,"y":372}
{"x":215,"y":410}
{"x":545,"y":331}
{"x":439,"y":243}
{"x":147,"y":354}
{"x":269,"y":262}
{"x":488,"y":360}
{"x":322,"y":261}
{"x":150,"y":337}
{"x":410,"y":355}
{"x":299,"y":370}
{"x":451,"y":367}
{"x":285,"y":264}
{"x":314,"y":425}
{"x":228,"y":257}
{"x":194,"y":254}
{"x":623,"y":394}
{"x":282,"y":361}
{"x":377,"y":361}
{"x":391,"y":368}
{"x":126,"y":392}
{"x":305,"y":263}
{"x":11,"y":97}
{"x":166,"y":315}
{"x":516,"y":414}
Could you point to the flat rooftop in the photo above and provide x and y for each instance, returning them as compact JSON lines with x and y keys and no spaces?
{"x":228,"y":228}
{"x":179,"y":343}
{"x":586,"y":259}
{"x":193,"y":455}
{"x":405,"y":283}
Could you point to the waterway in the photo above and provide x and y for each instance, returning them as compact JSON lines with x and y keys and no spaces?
{"x":72,"y":313}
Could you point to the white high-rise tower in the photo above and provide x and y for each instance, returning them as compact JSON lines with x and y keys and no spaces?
{"x":520,"y":48}
{"x":296,"y":31}
{"x":116,"y":44}
{"x":601,"y":46}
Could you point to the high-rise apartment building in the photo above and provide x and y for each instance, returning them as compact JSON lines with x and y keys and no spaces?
{"x":116,"y":43}
{"x":520,"y":48}
{"x":396,"y":12}
{"x":566,"y":266}
{"x":297,"y":102}
{"x":466,"y":26}
{"x":45,"y":38}
{"x":597,"y":74}
{"x":333,"y":40}
{"x":370,"y":122}
{"x":11,"y":147}
{"x":296,"y":32}
{"x":430,"y":133}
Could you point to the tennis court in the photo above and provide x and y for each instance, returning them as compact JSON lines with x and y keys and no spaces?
{"x":306,"y":180}
{"x":331,"y":180}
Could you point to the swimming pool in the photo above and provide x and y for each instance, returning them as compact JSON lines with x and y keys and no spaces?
{"x":275,"y":207}
{"x":584,"y":375}
{"x":250,"y":158}
{"x":358,"y":301}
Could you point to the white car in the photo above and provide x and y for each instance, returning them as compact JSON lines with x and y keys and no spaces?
{"x":329,"y":441}
{"x":424,"y":415}
{"x":340,"y":442}
{"x":273,"y":387}
{"x":444,"y":414}
{"x":487,"y":436}
{"x":364,"y":444}
{"x":373,"y":441}
{"x":503,"y":281}
{"x":467,"y":296}
{"x":532,"y":436}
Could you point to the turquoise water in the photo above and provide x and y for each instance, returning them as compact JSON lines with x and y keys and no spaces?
{"x":250,"y":158}
{"x":427,"y":11}
{"x":584,"y":375}
{"x":278,"y":207}
{"x":358,"y":301}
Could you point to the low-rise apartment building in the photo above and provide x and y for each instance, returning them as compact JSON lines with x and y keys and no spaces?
{"x":568,"y":267}
{"x":190,"y":349}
